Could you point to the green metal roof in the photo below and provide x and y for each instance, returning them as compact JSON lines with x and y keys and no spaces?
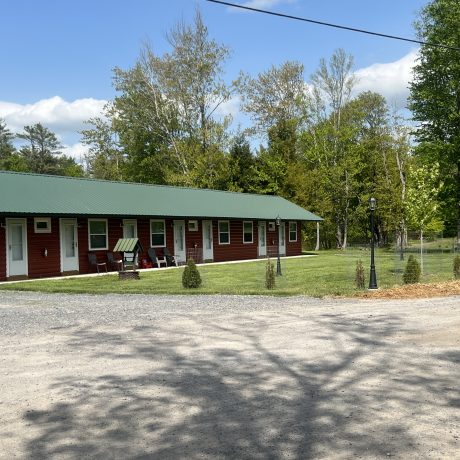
{"x":127,"y":245}
{"x":35,"y":194}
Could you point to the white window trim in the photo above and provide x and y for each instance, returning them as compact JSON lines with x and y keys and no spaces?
{"x":192,"y":225}
{"x":129,"y":222}
{"x":296,"y":231}
{"x":218,"y":230}
{"x":106,"y":235}
{"x":42,"y":219}
{"x":252,"y":231}
{"x":164,"y":233}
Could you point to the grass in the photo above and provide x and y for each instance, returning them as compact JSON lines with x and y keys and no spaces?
{"x":328,"y":273}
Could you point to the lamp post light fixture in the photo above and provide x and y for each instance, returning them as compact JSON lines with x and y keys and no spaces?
{"x":373,"y":276}
{"x":278,"y":262}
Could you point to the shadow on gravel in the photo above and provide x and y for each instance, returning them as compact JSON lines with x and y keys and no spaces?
{"x":216,"y":390}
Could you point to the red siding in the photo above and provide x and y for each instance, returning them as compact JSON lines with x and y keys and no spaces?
{"x":2,"y":251}
{"x":236,"y":250}
{"x":294,"y":248}
{"x":39,"y":265}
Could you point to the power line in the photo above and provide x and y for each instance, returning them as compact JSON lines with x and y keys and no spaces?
{"x":337,"y":26}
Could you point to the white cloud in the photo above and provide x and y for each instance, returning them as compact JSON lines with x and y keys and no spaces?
{"x":55,"y":113}
{"x":230,"y":107}
{"x":76,"y":151}
{"x":390,"y":79}
{"x":261,"y":4}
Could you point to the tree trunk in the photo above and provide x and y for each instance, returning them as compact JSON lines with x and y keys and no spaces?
{"x":317,"y":237}
{"x":421,"y":251}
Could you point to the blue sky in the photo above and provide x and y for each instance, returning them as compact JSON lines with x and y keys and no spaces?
{"x":58,"y":56}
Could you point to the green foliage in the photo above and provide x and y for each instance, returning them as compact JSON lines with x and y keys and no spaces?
{"x":456,"y":267}
{"x":6,"y":144}
{"x":359,"y":275}
{"x":240,"y":165}
{"x":276,"y":95}
{"x":191,"y":276}
{"x":104,"y":158}
{"x":269,"y":275}
{"x":412,"y":271}
{"x":435,"y":104}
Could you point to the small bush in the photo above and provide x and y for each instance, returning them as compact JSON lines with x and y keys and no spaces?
{"x":412,"y":271}
{"x":191,"y":276}
{"x":359,"y":278}
{"x":270,"y":275}
{"x":457,"y":267}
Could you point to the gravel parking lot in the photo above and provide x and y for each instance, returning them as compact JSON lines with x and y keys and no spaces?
{"x":214,"y":377}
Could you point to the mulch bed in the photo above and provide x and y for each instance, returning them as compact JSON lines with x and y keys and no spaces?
{"x":411,"y":291}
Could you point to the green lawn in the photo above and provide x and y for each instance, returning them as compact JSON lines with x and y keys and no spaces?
{"x":327,"y":273}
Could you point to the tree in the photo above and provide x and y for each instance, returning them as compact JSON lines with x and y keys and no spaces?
{"x":423,"y":200}
{"x":41,"y":150}
{"x":275,"y":96}
{"x":104,"y":157}
{"x":6,"y":144}
{"x":164,"y":115}
{"x":332,"y":86}
{"x":435,"y":101}
{"x":241,"y":164}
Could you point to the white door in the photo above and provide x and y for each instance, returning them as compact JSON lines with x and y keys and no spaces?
{"x":129,"y":228}
{"x":69,"y":245}
{"x":282,"y":238}
{"x":17,"y":247}
{"x":208,"y":252}
{"x":262,"y":239}
{"x":179,"y":240}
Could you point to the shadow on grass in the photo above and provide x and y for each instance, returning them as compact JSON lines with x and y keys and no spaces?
{"x":212,"y":390}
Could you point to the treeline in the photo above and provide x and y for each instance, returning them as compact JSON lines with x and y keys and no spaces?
{"x":323,"y":146}
{"x":41,"y":152}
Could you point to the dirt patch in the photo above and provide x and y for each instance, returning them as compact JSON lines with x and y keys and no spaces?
{"x":416,"y":291}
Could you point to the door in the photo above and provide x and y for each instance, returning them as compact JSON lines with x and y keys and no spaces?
{"x":17,"y":247}
{"x":179,"y":240}
{"x":282,"y":238}
{"x":262,"y":239}
{"x":129,"y":228}
{"x":208,"y":252}
{"x":69,"y":245}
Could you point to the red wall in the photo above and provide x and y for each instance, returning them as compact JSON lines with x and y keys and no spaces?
{"x":41,"y":266}
{"x":2,"y":251}
{"x":236,"y":250}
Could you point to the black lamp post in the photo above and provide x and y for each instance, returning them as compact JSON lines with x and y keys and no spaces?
{"x":278,"y":262}
{"x":373,"y":276}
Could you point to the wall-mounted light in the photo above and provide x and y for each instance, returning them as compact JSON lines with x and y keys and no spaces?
{"x":45,"y":252}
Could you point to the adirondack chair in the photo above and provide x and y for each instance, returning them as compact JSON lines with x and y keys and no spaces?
{"x":155,"y":259}
{"x":94,"y":263}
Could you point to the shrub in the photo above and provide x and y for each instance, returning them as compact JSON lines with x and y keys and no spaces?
{"x":191,"y":276}
{"x":457,"y":267}
{"x":359,"y":278}
{"x":412,"y":272}
{"x":270,"y":275}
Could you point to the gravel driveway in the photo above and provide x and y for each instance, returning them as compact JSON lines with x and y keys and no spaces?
{"x":214,"y":377}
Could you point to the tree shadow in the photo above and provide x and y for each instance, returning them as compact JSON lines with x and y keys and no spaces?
{"x":246,"y":388}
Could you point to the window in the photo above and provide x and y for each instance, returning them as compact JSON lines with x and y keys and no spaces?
{"x":192,"y":225}
{"x":97,"y":229}
{"x":129,"y":228}
{"x":247,"y":232}
{"x":271,"y":226}
{"x":224,"y":232}
{"x":292,"y":231}
{"x":158,"y":233}
{"x":42,"y":224}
